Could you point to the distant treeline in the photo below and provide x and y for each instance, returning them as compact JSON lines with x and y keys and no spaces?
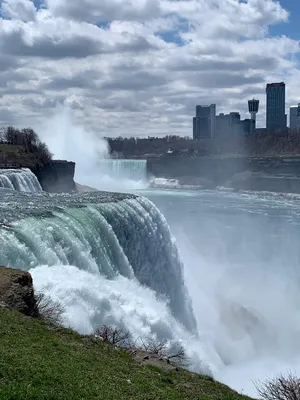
{"x":29,"y":140}
{"x":153,"y":146}
{"x":262,"y":143}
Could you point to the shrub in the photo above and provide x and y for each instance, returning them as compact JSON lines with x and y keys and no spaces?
{"x":123,"y":338}
{"x":280,"y":388}
{"x":114,"y":336}
{"x":48,"y":309}
{"x":174,"y":354}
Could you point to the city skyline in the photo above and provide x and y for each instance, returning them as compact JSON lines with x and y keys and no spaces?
{"x":138,"y":68}
{"x":276,"y":118}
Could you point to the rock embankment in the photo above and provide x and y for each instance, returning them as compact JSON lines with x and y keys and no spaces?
{"x":16,"y":291}
{"x":273,"y":174}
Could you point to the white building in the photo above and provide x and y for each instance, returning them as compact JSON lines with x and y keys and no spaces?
{"x":295,"y":117}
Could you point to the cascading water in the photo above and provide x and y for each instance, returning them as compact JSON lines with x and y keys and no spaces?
{"x":22,"y":180}
{"x":116,"y":175}
{"x":128,"y":169}
{"x":108,"y":258}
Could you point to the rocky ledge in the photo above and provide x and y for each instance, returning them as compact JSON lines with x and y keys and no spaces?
{"x":257,"y":181}
{"x":16,"y":291}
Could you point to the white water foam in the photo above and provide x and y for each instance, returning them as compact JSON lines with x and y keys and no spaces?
{"x":247,"y":310}
{"x":90,"y":301}
{"x":164,"y":183}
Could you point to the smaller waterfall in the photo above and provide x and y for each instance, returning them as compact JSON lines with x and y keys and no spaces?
{"x":135,"y":170}
{"x":22,"y":180}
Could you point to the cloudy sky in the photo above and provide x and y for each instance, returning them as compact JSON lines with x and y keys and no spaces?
{"x":140,"y":66}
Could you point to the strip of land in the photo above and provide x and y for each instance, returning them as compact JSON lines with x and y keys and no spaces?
{"x":40,"y":361}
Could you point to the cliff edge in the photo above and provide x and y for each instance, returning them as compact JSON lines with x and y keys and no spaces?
{"x":56,"y":176}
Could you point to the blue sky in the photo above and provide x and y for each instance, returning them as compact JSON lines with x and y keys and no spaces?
{"x":291,"y":28}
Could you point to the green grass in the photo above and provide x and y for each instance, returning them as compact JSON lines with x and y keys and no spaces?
{"x":17,"y":156}
{"x":38,"y":361}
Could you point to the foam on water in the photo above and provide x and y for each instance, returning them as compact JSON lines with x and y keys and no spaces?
{"x":92,"y":300}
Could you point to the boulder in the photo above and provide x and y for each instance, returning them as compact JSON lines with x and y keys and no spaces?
{"x":16,"y":291}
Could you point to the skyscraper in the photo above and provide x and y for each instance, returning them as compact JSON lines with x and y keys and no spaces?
{"x":295,"y":117}
{"x":276,"y":117}
{"x":204,"y":124}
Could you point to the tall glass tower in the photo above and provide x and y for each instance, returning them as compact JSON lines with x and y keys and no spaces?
{"x":276,"y":116}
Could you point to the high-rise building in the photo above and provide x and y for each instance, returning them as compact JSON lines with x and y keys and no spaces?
{"x":253,"y":106}
{"x":295,"y":117}
{"x":276,"y":117}
{"x":204,"y":124}
{"x":247,"y":126}
{"x":229,"y":125}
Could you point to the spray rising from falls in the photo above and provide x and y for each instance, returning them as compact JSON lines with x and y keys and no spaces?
{"x":68,"y":139}
{"x":110,"y":259}
{"x":22,"y":180}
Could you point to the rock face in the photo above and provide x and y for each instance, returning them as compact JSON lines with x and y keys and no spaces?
{"x":16,"y":291}
{"x":261,"y":182}
{"x":84,"y":188}
{"x":57,"y":176}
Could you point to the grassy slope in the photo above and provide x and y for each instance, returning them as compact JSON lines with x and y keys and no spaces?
{"x":42,"y":362}
{"x":16,"y":155}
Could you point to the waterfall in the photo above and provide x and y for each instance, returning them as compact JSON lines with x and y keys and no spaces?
{"x":130,"y":238}
{"x":135,"y":170}
{"x":109,"y":259}
{"x":22,"y":180}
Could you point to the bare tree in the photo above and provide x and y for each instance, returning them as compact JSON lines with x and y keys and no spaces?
{"x":174,"y":354}
{"x":280,"y":388}
{"x":114,"y":336}
{"x":153,"y":346}
{"x":123,"y":338}
{"x":49,"y":310}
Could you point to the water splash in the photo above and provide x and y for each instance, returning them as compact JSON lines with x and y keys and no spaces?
{"x":90,"y":301}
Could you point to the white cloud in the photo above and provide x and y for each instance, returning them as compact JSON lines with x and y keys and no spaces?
{"x":18,"y":9}
{"x":106,"y":10}
{"x":147,"y":63}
